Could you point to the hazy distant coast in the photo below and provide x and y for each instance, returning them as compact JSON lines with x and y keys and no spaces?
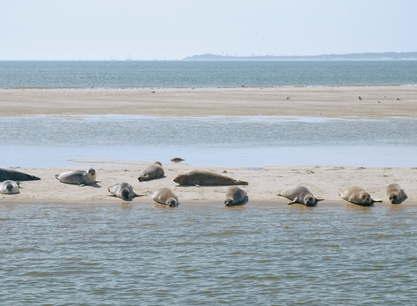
{"x":332,"y":57}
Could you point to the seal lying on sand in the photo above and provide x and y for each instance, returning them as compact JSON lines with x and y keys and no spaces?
{"x":9,"y":174}
{"x":299,"y":194}
{"x":358,"y":195}
{"x":205,"y":178}
{"x":165,"y":196}
{"x":123,"y":190}
{"x":154,"y":171}
{"x":9,"y":187}
{"x":78,"y":177}
{"x":396,"y":194}
{"x":235,"y":196}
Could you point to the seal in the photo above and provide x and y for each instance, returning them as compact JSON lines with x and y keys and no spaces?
{"x":396,"y":194}
{"x":235,"y":196}
{"x":78,"y":177}
{"x":123,"y":190}
{"x":165,"y":196}
{"x":300,"y":195}
{"x":14,"y":175}
{"x":358,"y":195}
{"x":9,"y":187}
{"x":205,"y":178}
{"x":154,"y":171}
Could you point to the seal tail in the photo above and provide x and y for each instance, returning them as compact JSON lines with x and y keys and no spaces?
{"x":241,"y":183}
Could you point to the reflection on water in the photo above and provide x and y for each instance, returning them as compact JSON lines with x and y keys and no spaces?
{"x":206,"y":254}
{"x":212,"y":141}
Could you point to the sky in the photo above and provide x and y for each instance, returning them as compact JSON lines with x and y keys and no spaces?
{"x":175,"y":29}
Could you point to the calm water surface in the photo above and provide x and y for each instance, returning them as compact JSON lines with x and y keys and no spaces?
{"x":256,"y":141}
{"x":171,"y":74}
{"x":207,"y":254}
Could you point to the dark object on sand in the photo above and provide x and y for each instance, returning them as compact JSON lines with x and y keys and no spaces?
{"x":14,"y":175}
{"x":205,"y":178}
{"x":177,"y":160}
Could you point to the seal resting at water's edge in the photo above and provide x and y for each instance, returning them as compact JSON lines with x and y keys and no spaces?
{"x":154,"y":171}
{"x":205,"y":178}
{"x":14,"y":175}
{"x":358,"y":195}
{"x":123,"y":190}
{"x":165,"y":196}
{"x":78,"y":177}
{"x":9,"y":187}
{"x":299,"y":194}
{"x":235,"y":196}
{"x":396,"y":194}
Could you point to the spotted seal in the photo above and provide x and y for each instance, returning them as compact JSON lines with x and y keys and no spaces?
{"x":358,"y":195}
{"x":78,"y":177}
{"x":396,"y":194}
{"x":154,"y":171}
{"x":300,"y":195}
{"x":9,"y":187}
{"x":14,"y":175}
{"x":123,"y":190}
{"x":165,"y":196}
{"x":206,"y":178}
{"x":235,"y":196}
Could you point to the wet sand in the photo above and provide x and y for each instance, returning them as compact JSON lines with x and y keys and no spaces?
{"x":264,"y":183}
{"x":331,"y":102}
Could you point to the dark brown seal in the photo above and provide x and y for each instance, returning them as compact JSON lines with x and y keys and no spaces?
{"x":205,"y":178}
{"x":14,"y":175}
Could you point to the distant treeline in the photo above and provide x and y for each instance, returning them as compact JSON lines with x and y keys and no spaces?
{"x":352,"y":56}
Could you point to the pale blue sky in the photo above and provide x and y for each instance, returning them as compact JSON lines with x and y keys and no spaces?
{"x":174,"y":29}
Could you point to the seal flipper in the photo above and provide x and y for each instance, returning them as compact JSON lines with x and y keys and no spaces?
{"x":295,"y":201}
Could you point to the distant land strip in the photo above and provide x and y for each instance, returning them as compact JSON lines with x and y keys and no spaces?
{"x":334,"y":57}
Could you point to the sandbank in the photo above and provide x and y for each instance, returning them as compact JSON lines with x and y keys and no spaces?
{"x":378,"y":102}
{"x":332,"y":102}
{"x":264,"y":183}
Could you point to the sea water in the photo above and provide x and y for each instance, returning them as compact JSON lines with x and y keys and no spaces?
{"x":171,"y":74}
{"x":248,"y":141}
{"x":206,"y":254}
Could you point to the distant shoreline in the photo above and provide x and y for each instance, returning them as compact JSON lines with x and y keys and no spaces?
{"x":385,"y":56}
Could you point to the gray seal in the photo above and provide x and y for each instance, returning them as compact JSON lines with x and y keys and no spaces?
{"x":396,"y":194}
{"x":78,"y":177}
{"x":300,"y":195}
{"x":358,"y":195}
{"x":123,"y":190}
{"x":14,"y":175}
{"x":165,"y":196}
{"x":205,"y":178}
{"x":152,"y":172}
{"x":9,"y":187}
{"x":235,"y":196}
